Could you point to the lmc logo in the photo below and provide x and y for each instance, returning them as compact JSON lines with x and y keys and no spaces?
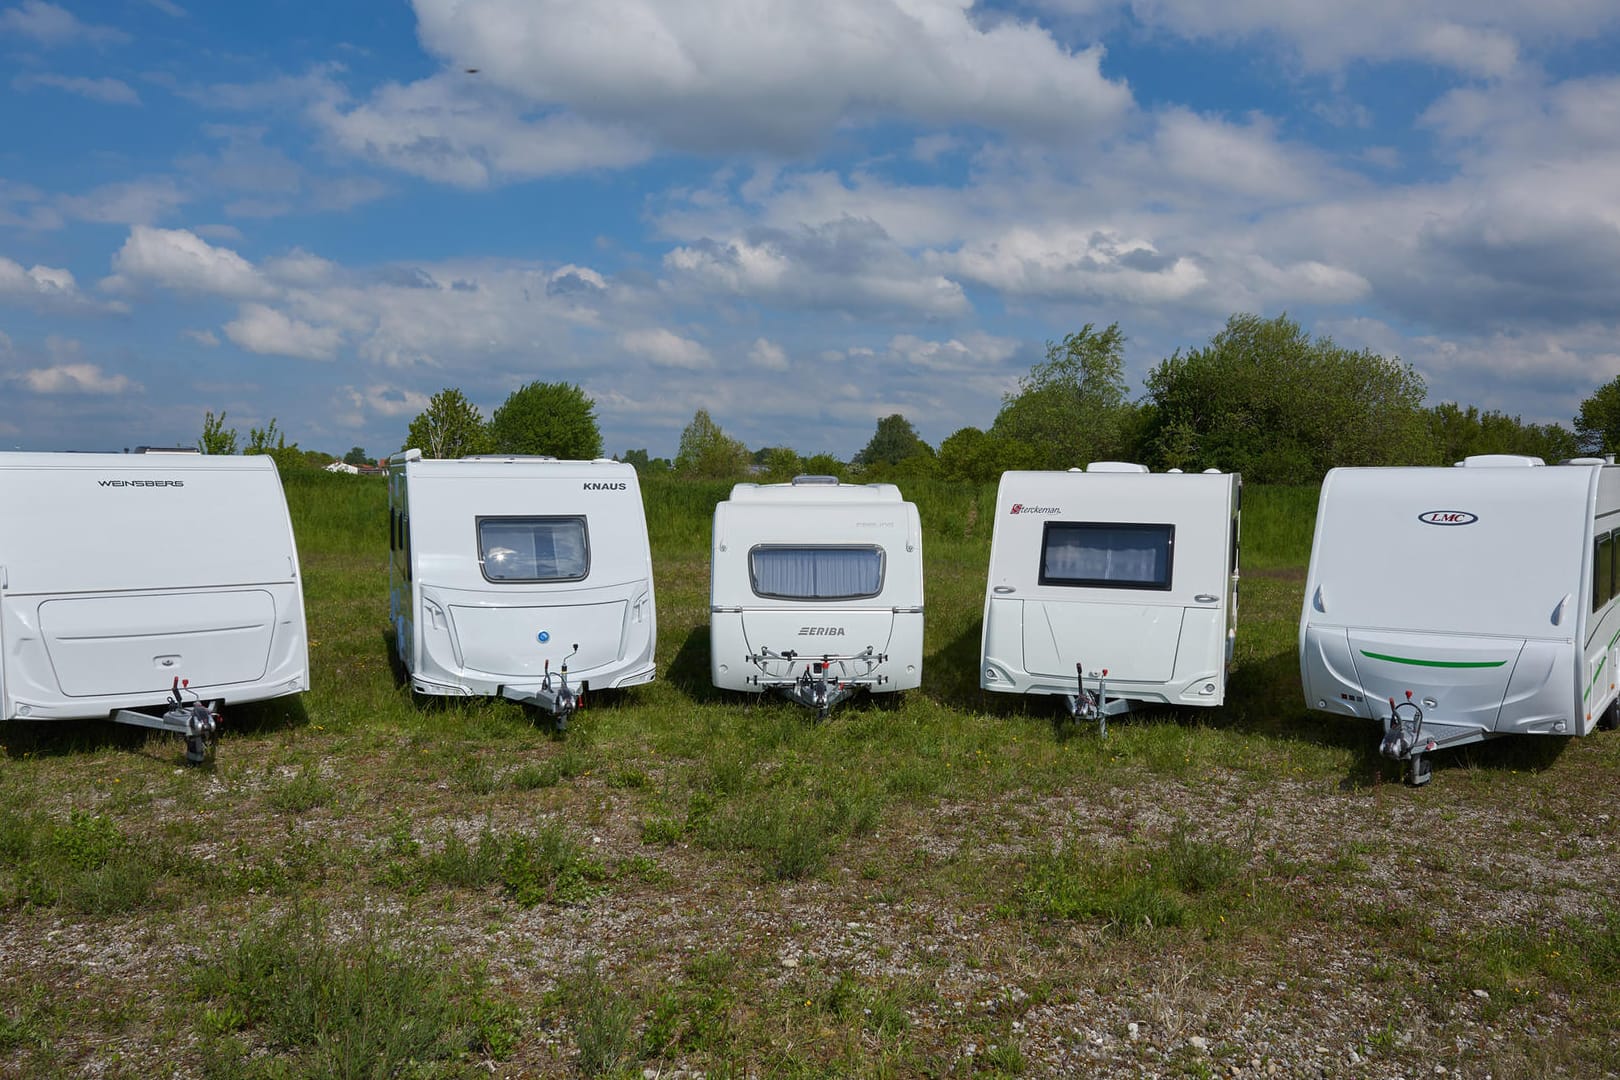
{"x":1447,"y":517}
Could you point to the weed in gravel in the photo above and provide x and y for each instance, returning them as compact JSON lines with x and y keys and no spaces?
{"x":601,"y":1017}
{"x":549,"y":867}
{"x":85,"y":864}
{"x":533,"y":777}
{"x":294,"y":998}
{"x":302,"y":792}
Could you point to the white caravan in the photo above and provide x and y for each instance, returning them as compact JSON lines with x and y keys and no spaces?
{"x":148,"y":588}
{"x":509,"y":575}
{"x":1457,"y":604}
{"x":1112,"y":587}
{"x":816,"y":591}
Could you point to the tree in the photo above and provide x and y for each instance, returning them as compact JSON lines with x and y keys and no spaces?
{"x":1072,"y":407}
{"x":781,"y":463}
{"x":547,"y":418}
{"x":707,"y":451}
{"x":356,"y":456}
{"x":894,"y":441}
{"x":450,"y":427}
{"x":979,"y":457}
{"x":1457,"y":432}
{"x":823,"y":464}
{"x":272,"y":441}
{"x":216,"y":437}
{"x":644,"y":465}
{"x":1597,"y":425}
{"x":1264,"y":399}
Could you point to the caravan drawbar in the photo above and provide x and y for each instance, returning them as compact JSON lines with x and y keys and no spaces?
{"x":149,"y":589}
{"x":1460,"y":604}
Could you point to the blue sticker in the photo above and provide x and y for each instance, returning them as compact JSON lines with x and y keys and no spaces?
{"x":544,"y":637}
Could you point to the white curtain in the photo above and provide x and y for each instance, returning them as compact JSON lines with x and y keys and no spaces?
{"x":533,"y":549}
{"x":817,"y":573}
{"x":1108,"y":553}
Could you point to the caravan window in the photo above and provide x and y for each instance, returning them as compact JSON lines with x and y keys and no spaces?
{"x":1602,"y":571}
{"x":833,"y":572}
{"x":533,"y":548}
{"x":1107,"y":555}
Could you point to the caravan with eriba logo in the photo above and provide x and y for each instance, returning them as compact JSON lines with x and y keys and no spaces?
{"x":816,"y":591}
{"x":521,"y":577}
{"x":1457,"y":604}
{"x":153,"y":589}
{"x":1112,"y":587}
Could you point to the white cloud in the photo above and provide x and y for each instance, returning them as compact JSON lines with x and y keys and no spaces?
{"x":442,"y":130}
{"x":775,"y":75}
{"x":767,"y":355}
{"x":298,"y":268}
{"x":45,"y":288}
{"x":74,"y":379}
{"x":109,"y":91}
{"x":48,"y":24}
{"x":1473,"y":37}
{"x":203,"y":337}
{"x":183,"y":261}
{"x":1064,"y":261}
{"x":1247,"y":160}
{"x":387,"y":400}
{"x":667,"y":349}
{"x":262,"y":329}
{"x":975,"y":353}
{"x":130,"y":202}
{"x":847,"y":264}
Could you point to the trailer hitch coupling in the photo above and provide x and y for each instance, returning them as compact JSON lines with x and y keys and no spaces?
{"x":1403,"y":738}
{"x":196,"y":721}
{"x":823,"y":681}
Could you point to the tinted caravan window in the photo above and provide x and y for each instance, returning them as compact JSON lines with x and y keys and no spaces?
{"x":841,"y":572}
{"x":533,"y":548}
{"x":1603,"y":571}
{"x":1107,"y":555}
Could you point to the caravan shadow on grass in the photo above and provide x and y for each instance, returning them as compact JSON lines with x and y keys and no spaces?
{"x":689,"y":669}
{"x":70,"y":738}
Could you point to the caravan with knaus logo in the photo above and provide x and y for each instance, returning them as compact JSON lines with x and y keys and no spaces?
{"x":1458,"y":604}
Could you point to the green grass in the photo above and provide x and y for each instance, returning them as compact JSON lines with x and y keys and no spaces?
{"x":363,"y":883}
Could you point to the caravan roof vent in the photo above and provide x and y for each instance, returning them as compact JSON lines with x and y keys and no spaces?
{"x":815,"y":479}
{"x":1173,"y":472}
{"x":1585,"y":461}
{"x":509,"y":457}
{"x":167,"y":450}
{"x":1116,"y":466}
{"x":1494,"y":461}
{"x":1212,"y":472}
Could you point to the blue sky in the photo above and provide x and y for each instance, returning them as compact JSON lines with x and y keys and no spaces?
{"x":802,"y":217}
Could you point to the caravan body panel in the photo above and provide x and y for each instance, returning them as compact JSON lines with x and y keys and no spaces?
{"x":131,"y":570}
{"x":500,"y":566}
{"x":1487,"y":591}
{"x":816,"y":569}
{"x":1113,"y":568}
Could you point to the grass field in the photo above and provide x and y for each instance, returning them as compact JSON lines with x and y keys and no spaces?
{"x":948,"y":884}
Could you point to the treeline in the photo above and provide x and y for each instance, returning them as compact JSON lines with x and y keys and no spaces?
{"x":1263,"y":398}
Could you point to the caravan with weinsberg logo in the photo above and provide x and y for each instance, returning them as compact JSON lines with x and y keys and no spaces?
{"x":520,"y":577}
{"x":1459,"y":604}
{"x":1112,"y":587}
{"x":160,"y":587}
{"x":816,"y":591}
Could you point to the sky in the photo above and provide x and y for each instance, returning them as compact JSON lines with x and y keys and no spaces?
{"x":799,"y":216}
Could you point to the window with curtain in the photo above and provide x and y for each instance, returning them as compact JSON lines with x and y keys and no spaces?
{"x":1107,"y":555}
{"x":533,"y":549}
{"x":841,"y":572}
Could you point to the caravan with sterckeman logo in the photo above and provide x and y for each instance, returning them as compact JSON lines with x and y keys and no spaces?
{"x":1458,"y":604}
{"x":1112,"y":587}
{"x":816,"y":591}
{"x":521,"y":577}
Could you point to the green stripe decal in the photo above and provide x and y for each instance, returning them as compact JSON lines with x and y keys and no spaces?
{"x":1434,"y":663}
